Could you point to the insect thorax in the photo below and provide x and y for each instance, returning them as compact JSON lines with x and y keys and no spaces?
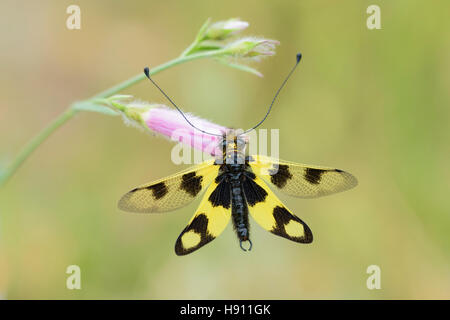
{"x":233,"y":148}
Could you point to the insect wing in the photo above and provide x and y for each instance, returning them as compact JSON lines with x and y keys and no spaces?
{"x":301,"y":180}
{"x":268,"y":211}
{"x":172,"y":192}
{"x":208,"y":222}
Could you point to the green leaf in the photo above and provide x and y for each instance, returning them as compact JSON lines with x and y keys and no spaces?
{"x":93,"y":107}
{"x":202,"y":31}
{"x":241,"y":67}
{"x":120,"y":97}
{"x":208,"y":45}
{"x":203,"y":49}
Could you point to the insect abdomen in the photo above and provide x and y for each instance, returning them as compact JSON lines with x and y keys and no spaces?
{"x":239,"y":209}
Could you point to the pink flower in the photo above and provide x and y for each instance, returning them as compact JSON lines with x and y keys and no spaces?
{"x":171,"y":124}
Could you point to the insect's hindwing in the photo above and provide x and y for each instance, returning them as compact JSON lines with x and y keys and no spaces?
{"x":300,"y":180}
{"x":172,"y":192}
{"x":208,"y":222}
{"x":272,"y":215}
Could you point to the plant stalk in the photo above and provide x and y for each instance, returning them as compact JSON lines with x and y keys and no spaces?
{"x":70,"y":112}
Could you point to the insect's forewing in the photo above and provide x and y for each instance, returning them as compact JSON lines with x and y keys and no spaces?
{"x":208,"y":222}
{"x":301,"y":180}
{"x":272,"y":215}
{"x":172,"y":192}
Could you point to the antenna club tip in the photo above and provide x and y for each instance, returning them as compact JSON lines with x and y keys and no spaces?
{"x":147,"y":72}
{"x":299,"y":57}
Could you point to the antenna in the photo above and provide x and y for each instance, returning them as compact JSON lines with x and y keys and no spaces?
{"x":147,"y":74}
{"x":299,"y":57}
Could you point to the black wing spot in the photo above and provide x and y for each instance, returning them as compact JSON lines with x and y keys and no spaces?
{"x":282,"y":218}
{"x":191,"y":183}
{"x":159,"y":190}
{"x":221,"y":196}
{"x":253,"y":192}
{"x":281,"y":176}
{"x":313,"y":175}
{"x":200,"y":226}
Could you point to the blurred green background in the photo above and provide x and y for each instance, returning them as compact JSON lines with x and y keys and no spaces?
{"x":372,"y":102}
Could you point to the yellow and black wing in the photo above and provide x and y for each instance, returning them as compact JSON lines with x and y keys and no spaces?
{"x":208,"y":222}
{"x":301,"y":180}
{"x":171,"y":192}
{"x":272,"y":215}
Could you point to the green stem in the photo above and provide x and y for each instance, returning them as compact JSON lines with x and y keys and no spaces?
{"x":189,"y":49}
{"x":198,"y":38}
{"x":70,"y":112}
{"x":36,"y":142}
{"x":155,"y":70}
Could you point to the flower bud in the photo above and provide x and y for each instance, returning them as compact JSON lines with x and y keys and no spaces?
{"x":251,"y":47}
{"x":223,"y":29}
